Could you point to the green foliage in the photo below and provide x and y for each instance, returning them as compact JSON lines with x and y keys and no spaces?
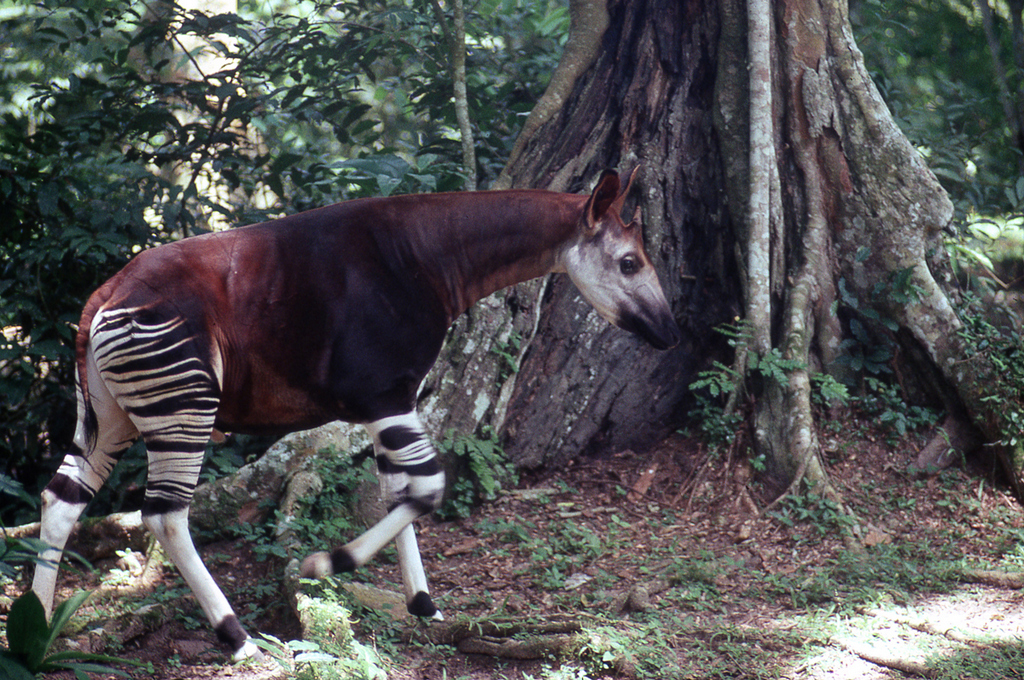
{"x":712,"y":389}
{"x":870,"y":348}
{"x":822,"y":514}
{"x":481,"y":472}
{"x":30,"y":638}
{"x":564,"y":549}
{"x":508,"y":352}
{"x":16,"y":551}
{"x":730,"y":651}
{"x":330,"y":651}
{"x":113,"y":139}
{"x":642,"y":652}
{"x":869,"y":353}
{"x":328,"y":520}
{"x":228,"y":457}
{"x":932,"y":64}
{"x":852,"y":580}
{"x":885,"y":404}
{"x":988,"y":662}
{"x":10,"y":487}
{"x":1001,"y":351}
{"x":828,"y":391}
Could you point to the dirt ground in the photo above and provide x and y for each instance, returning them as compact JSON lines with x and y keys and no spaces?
{"x":677,"y":542}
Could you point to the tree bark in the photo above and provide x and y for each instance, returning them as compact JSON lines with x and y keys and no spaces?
{"x":647,"y":100}
{"x":842,"y":198}
{"x":456,"y":38}
{"x":635,"y":86}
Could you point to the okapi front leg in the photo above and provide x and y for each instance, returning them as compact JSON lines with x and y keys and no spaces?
{"x":412,"y":483}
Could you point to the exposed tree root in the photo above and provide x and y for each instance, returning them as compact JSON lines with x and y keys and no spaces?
{"x":508,"y":639}
{"x":953,"y":438}
{"x":999,"y":579}
{"x":908,"y":666}
{"x":923,"y":626}
{"x":98,"y":538}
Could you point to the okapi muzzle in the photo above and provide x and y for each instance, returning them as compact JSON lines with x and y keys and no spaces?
{"x":331,"y":314}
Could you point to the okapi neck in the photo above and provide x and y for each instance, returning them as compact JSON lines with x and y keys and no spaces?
{"x":472,"y":244}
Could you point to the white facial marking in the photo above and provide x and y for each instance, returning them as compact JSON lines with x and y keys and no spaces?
{"x":614,"y":276}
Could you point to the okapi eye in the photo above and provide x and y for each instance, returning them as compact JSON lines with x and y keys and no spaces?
{"x":629,"y":265}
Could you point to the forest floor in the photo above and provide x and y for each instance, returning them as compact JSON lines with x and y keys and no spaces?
{"x":664,"y":565}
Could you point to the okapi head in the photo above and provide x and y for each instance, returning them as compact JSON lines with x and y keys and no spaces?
{"x":608,"y":264}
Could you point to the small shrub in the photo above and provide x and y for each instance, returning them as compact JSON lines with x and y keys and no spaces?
{"x":330,"y":519}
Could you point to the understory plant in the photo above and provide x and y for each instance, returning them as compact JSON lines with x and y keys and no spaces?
{"x":30,"y":640}
{"x":481,"y":467}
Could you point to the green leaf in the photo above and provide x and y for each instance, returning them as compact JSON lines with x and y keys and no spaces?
{"x":12,"y":668}
{"x":63,"y":613}
{"x":82,"y":662}
{"x":48,"y":195}
{"x":314,"y":657}
{"x":27,"y":630}
{"x":14,"y":488}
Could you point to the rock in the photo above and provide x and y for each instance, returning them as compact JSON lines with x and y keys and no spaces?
{"x":241,"y":497}
{"x":384,"y":601}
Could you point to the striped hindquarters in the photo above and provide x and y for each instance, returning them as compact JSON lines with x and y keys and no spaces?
{"x":160,"y":374}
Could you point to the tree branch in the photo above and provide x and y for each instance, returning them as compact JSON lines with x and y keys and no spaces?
{"x":588,"y":20}
{"x":1012,"y":115}
{"x":457,"y":49}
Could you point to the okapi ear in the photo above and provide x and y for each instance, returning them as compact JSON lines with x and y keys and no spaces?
{"x":602,"y":198}
{"x":635,"y":222}
{"x":617,"y":206}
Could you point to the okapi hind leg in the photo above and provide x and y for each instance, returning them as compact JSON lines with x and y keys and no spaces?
{"x":176,"y":448}
{"x":103,"y":433}
{"x":157,"y":370}
{"x":171,"y":529}
{"x":172,"y":480}
{"x":412,"y":483}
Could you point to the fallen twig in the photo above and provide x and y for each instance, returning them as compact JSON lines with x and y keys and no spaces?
{"x":462,"y":629}
{"x":508,"y":639}
{"x":505,"y":648}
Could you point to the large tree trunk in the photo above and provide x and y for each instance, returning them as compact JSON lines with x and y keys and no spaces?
{"x":839,"y":200}
{"x":861,"y":209}
{"x":582,"y":386}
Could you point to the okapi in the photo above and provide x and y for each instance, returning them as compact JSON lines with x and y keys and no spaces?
{"x":331,"y":314}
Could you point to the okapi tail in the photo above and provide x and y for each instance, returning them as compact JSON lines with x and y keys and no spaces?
{"x":88,"y":423}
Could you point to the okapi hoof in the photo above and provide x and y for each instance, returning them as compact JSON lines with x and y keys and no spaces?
{"x":230,"y":632}
{"x":422,"y":605}
{"x":316,"y":565}
{"x":247,"y":651}
{"x":323,"y":564}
